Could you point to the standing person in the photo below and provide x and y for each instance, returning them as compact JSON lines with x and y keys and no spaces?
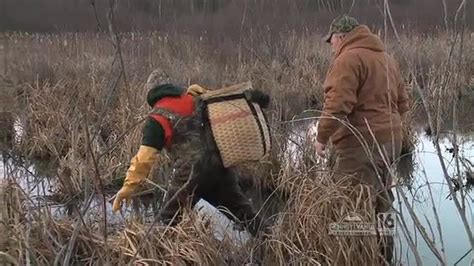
{"x":364,"y":98}
{"x":179,"y":126}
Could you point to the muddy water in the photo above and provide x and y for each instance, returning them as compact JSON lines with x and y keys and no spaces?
{"x":32,"y":178}
{"x":39,"y":191}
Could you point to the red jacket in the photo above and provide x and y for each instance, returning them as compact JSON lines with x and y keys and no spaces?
{"x":182,"y":105}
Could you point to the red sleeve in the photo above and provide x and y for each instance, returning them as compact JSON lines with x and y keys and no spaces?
{"x":182,"y":106}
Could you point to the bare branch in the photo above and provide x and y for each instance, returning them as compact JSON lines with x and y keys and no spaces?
{"x":99,"y":26}
{"x":445,"y":11}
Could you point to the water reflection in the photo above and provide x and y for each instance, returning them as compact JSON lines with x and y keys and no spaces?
{"x":429,"y":176}
{"x":420,"y":176}
{"x":406,"y":168}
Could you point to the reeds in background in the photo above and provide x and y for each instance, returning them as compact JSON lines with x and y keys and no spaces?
{"x":78,"y":110}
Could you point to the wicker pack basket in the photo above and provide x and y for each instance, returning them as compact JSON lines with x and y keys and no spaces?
{"x":239,"y":126}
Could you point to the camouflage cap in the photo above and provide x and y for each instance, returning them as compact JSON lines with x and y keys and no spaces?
{"x":157,"y":77}
{"x":341,"y":24}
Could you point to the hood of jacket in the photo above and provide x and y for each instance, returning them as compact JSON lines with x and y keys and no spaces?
{"x":361,"y":37}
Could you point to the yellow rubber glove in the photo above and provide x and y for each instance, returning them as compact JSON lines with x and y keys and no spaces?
{"x":139,"y":169}
{"x":195,"y":90}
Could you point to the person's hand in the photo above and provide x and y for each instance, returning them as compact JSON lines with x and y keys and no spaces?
{"x":125,"y":193}
{"x":139,"y":169}
{"x":195,"y":90}
{"x":320,"y":149}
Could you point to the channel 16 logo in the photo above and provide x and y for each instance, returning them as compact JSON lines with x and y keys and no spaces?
{"x":386,"y":223}
{"x":355,"y":225}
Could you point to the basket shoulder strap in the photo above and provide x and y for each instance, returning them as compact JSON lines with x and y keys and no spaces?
{"x":227,"y":91}
{"x":170,"y":115}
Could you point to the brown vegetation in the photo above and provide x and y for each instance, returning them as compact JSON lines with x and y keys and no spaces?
{"x":81,"y":112}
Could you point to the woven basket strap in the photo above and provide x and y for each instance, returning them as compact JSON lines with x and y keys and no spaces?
{"x":263,"y":123}
{"x":228,"y":91}
{"x":171,"y":116}
{"x":253,"y":109}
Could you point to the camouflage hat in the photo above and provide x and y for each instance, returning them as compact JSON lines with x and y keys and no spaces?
{"x":341,"y":24}
{"x":157,"y":77}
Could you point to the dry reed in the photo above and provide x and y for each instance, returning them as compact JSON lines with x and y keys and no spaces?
{"x":61,"y":83}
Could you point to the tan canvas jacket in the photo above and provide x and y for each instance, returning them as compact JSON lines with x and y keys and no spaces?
{"x":364,"y":88}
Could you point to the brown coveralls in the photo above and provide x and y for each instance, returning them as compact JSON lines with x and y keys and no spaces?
{"x":364,"y":88}
{"x":199,"y":173}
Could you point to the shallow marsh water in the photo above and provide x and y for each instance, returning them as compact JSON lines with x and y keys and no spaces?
{"x":428,"y":169}
{"x":415,"y":171}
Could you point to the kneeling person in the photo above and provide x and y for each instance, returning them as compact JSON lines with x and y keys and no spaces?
{"x":179,"y":125}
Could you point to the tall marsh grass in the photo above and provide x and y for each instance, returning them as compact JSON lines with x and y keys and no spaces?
{"x":81,"y":110}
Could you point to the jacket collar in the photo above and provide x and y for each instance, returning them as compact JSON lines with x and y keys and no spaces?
{"x":361,"y":37}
